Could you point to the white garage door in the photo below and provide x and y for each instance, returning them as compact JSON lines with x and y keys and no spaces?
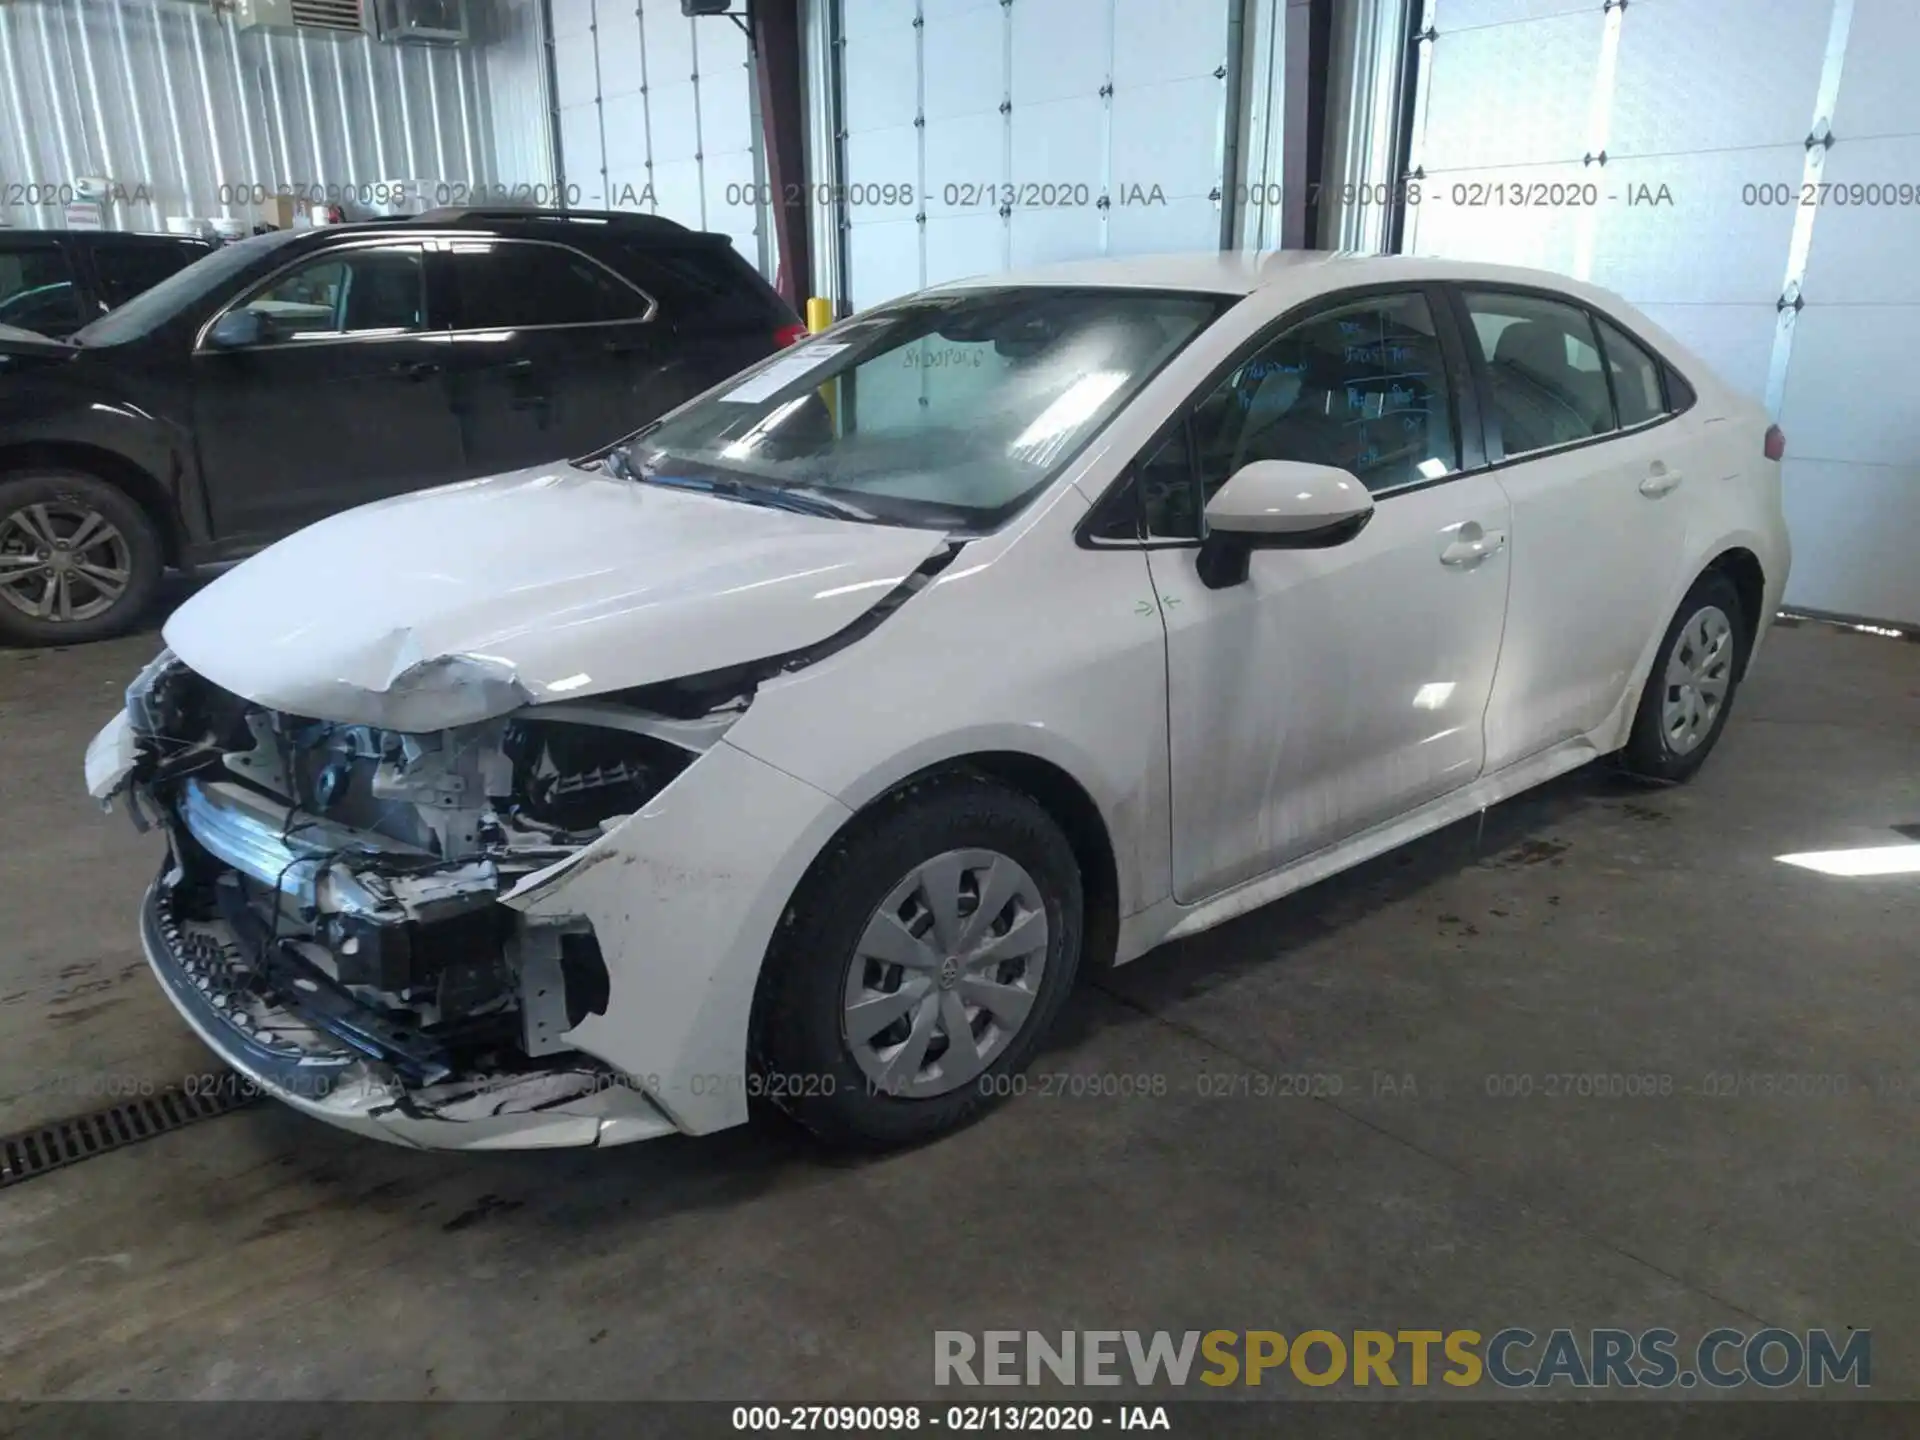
{"x":1759,"y":195}
{"x":982,"y":136}
{"x":657,"y":114}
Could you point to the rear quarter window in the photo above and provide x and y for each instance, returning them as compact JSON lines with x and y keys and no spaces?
{"x":709,"y":288}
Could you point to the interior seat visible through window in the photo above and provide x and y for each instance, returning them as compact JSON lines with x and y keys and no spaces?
{"x":1362,"y":387}
{"x":1543,"y":370}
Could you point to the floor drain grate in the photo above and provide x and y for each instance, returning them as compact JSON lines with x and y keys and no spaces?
{"x":68,"y":1142}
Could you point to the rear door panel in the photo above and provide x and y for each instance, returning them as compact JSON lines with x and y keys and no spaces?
{"x":1599,"y":537}
{"x":553,"y":353}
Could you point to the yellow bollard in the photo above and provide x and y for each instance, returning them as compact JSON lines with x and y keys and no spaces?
{"x":819,"y":317}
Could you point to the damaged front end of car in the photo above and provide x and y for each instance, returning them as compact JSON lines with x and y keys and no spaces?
{"x":334,"y":914}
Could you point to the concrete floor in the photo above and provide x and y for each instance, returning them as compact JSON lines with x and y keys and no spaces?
{"x":1591,"y":927}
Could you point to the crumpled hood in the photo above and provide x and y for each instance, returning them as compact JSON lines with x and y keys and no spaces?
{"x":451,"y":605}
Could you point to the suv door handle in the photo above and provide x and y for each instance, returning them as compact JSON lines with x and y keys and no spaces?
{"x":1472,"y":552}
{"x":414,"y":369}
{"x":1659,"y":481}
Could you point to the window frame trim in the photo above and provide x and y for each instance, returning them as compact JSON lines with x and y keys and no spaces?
{"x":431,"y":248}
{"x":1465,"y":404}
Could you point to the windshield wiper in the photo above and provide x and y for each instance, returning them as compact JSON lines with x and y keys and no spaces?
{"x":773,"y":497}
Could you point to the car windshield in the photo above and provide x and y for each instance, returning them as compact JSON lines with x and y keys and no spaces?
{"x":946,"y":411}
{"x":181,"y":289}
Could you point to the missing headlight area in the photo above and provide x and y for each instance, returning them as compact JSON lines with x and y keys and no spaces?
{"x":331,"y":900}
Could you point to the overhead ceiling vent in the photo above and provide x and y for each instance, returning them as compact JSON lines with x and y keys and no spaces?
{"x":305,"y":17}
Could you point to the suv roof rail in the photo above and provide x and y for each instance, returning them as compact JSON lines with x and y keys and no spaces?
{"x":454,"y":214}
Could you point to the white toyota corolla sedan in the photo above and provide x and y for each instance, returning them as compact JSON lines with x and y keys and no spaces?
{"x":802,"y":747}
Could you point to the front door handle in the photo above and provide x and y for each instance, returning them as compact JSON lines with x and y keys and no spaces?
{"x":1659,"y":481}
{"x":1471,"y":552}
{"x":415,"y":369}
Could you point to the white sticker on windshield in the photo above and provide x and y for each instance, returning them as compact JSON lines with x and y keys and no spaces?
{"x":781,"y":373}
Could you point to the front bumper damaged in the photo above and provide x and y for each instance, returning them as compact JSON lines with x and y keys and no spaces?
{"x":329,"y":917}
{"x":326,"y":1056}
{"x":541,"y":930}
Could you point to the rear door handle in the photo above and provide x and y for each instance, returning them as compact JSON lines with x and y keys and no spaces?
{"x":1659,"y":481}
{"x":415,"y":369}
{"x":1471,"y":552}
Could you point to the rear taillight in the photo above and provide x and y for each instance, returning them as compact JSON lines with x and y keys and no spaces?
{"x":1776,"y":445}
{"x":789,"y":335}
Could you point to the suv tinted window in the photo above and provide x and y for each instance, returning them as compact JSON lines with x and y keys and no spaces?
{"x":37,"y":290}
{"x":344,"y":292}
{"x":1543,"y":370}
{"x":125,"y":270}
{"x":514,"y":284}
{"x":710,"y":288}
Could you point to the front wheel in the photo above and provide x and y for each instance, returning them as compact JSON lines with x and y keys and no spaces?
{"x":1690,"y":689}
{"x":921,"y":962}
{"x":79,"y":559}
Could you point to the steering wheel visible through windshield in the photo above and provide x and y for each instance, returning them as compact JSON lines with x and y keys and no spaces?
{"x":949,"y":410}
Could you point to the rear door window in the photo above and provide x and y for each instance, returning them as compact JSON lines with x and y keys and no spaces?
{"x":37,"y":290}
{"x":1544,"y":377}
{"x":524,"y":284}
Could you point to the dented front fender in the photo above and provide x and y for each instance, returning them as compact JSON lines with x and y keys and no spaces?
{"x":684,"y":896}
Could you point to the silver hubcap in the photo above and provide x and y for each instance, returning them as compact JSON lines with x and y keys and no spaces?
{"x":1698,"y":673}
{"x":945,"y":973}
{"x":62,"y":560}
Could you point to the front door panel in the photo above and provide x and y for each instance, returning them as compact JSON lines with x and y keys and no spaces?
{"x":1335,"y":688}
{"x":344,"y":399}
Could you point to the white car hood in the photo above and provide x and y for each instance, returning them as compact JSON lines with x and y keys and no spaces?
{"x":452,"y":605}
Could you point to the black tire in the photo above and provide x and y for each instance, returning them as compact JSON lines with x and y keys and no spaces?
{"x":801,"y":1059}
{"x":66,"y":495}
{"x":1649,"y":752}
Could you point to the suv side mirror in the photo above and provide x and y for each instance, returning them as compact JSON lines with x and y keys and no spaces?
{"x":1279,"y":505}
{"x":237,"y":329}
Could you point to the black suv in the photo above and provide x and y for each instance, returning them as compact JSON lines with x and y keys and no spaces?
{"x":298,"y":373}
{"x":55,"y":281}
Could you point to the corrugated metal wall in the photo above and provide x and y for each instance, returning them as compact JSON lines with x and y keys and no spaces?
{"x":187,"y":114}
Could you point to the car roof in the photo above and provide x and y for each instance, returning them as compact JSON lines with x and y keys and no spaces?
{"x":1242,"y":272}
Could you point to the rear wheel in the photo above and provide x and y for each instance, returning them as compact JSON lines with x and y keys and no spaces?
{"x":79,"y":559}
{"x":920,"y":965}
{"x":1691,"y":686}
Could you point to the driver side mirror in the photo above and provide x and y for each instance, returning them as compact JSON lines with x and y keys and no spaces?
{"x":1279,"y":505}
{"x":237,"y":329}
